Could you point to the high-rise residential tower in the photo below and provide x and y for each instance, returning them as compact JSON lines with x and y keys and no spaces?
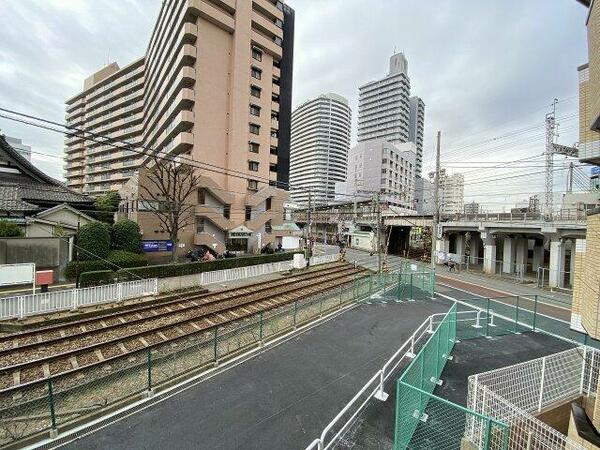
{"x":387,"y":111}
{"x":416,"y":129}
{"x":319,"y":148}
{"x":215,"y":86}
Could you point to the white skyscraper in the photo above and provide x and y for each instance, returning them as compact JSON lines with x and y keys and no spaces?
{"x":452,"y":192}
{"x":320,"y":139}
{"x":387,"y":111}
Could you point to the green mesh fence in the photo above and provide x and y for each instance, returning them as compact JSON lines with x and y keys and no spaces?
{"x":63,"y":399}
{"x":425,"y":421}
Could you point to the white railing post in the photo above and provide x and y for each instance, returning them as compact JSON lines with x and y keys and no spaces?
{"x":75,"y":299}
{"x":541,"y":399}
{"x":583,"y":370}
{"x":380,"y":394}
{"x":492,"y":324}
{"x":21,"y":303}
{"x":478,"y":320}
{"x":119,"y":292}
{"x":430,"y":328}
{"x":155,"y":286}
{"x":412,"y":354}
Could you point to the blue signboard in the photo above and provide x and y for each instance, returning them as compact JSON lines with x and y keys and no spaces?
{"x":596,"y":170}
{"x":157,"y":246}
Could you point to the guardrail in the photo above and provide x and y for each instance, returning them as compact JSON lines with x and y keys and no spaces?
{"x":21,"y":306}
{"x":240,"y":273}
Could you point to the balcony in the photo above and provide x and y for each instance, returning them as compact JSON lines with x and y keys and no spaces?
{"x":589,"y":152}
{"x":270,"y":8}
{"x":265,"y":43}
{"x":262,"y":22}
{"x":215,"y":15}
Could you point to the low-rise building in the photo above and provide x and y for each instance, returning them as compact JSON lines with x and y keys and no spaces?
{"x":41,"y":205}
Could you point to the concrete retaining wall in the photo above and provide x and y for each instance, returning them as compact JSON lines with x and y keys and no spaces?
{"x":48,"y":253}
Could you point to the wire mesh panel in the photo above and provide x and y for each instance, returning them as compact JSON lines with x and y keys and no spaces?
{"x":430,"y":422}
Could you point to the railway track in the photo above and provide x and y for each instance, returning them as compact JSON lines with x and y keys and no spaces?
{"x":32,"y":356}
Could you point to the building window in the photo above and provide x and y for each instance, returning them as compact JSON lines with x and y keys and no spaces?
{"x":255,"y":110}
{"x":275,"y":98}
{"x":201,"y":197}
{"x":273,"y":183}
{"x":256,"y":73}
{"x":268,"y":227}
{"x":256,"y":54}
{"x":268,"y":204}
{"x":273,"y":150}
{"x":274,"y":133}
{"x":255,"y":91}
{"x":273,"y":167}
{"x":253,"y":147}
{"x":199,"y":225}
{"x":254,"y":129}
{"x":276,"y":81}
{"x":226,"y":211}
{"x":248,"y":212}
{"x":276,"y":63}
{"x":253,"y":166}
{"x":252,"y":185}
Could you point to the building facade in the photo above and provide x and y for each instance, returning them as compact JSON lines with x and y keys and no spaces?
{"x":472,"y":208}
{"x":378,"y":166}
{"x":424,"y":196}
{"x":387,"y":111}
{"x":22,"y":149}
{"x":320,"y":140}
{"x":416,"y":129}
{"x":383,"y":105}
{"x":213,"y":89}
{"x":451,"y":192}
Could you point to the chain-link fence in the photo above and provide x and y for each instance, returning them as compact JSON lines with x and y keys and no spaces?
{"x":139,"y":366}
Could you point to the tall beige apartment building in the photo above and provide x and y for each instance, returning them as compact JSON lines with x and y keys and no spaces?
{"x":585,"y":311}
{"x":215,"y":86}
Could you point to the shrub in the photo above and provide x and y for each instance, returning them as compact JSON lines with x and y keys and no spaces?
{"x":174,"y":270}
{"x":106,"y":205}
{"x":93,"y":241}
{"x":10,"y":229}
{"x":126,"y":236}
{"x":84,"y":266}
{"x":122,"y":259}
{"x":96,"y":277}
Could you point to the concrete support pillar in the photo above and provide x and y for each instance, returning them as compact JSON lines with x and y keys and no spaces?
{"x":557,"y":263}
{"x":521,"y":256}
{"x":538,"y":255}
{"x":489,"y":254}
{"x":460,"y":247}
{"x":474,"y":248}
{"x":508,"y":256}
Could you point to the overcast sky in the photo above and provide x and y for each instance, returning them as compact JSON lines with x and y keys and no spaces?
{"x":486,"y":70}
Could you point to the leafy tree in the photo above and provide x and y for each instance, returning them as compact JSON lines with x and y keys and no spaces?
{"x":10,"y":229}
{"x":93,"y":241}
{"x":106,"y":205}
{"x":126,"y":236}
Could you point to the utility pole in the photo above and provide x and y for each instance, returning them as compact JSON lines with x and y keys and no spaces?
{"x":77,"y":251}
{"x":378,"y":228}
{"x":436,"y":201}
{"x":308,"y":226}
{"x":570,"y":179}
{"x":549,"y":178}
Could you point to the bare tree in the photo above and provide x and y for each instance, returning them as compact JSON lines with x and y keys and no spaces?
{"x":168,"y":191}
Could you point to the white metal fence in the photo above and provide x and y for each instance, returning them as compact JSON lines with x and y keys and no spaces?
{"x":323,"y":259}
{"x":26,"y":305}
{"x":240,"y":273}
{"x":513,"y":394}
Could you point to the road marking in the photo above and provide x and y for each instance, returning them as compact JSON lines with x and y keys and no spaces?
{"x":499,"y":291}
{"x":463,"y":302}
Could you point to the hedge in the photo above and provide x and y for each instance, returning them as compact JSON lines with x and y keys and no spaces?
{"x":115,"y":260}
{"x":84,"y":266}
{"x":121,"y":258}
{"x":93,"y":241}
{"x":126,"y":236}
{"x":96,"y":277}
{"x":174,"y":270}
